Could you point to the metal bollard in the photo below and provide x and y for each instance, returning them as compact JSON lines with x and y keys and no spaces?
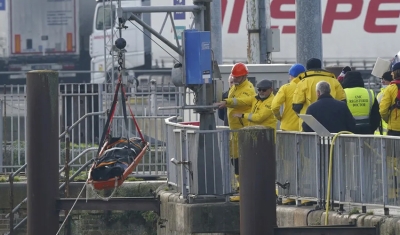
{"x":257,"y":180}
{"x":42,"y":132}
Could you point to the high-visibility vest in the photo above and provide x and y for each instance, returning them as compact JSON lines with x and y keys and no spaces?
{"x":384,"y":124}
{"x":360,"y":101}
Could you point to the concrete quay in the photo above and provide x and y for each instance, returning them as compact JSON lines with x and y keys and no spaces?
{"x":177,"y":217}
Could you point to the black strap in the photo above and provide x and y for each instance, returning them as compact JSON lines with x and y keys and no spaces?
{"x":396,"y":100}
{"x":124,"y":111}
{"x":380,"y":127}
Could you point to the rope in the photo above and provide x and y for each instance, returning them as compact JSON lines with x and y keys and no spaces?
{"x":109,"y":197}
{"x":69,"y":212}
{"x":133,"y":118}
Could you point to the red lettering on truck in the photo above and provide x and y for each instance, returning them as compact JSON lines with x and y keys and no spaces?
{"x":277,"y":13}
{"x":331,"y":15}
{"x":374,"y":13}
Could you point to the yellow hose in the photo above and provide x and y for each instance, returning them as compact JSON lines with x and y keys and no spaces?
{"x":328,"y":190}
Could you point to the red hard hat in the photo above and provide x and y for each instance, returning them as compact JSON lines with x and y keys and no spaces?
{"x":239,"y":69}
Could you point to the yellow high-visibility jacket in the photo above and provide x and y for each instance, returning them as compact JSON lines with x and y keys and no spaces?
{"x":305,"y":92}
{"x":261,"y":113}
{"x":289,"y":119}
{"x":389,"y":115}
{"x":384,"y":124}
{"x":239,"y":101}
{"x":359,"y":102}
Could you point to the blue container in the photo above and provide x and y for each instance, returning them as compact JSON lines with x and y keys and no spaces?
{"x":198,"y":64}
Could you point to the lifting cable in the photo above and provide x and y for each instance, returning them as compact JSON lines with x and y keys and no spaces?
{"x":107,"y":127}
{"x":73,"y":205}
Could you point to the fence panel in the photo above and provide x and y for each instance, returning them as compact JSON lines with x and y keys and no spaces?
{"x":371,"y":170}
{"x":77,"y":100}
{"x":286,"y":163}
{"x":306,"y":161}
{"x":392,"y":154}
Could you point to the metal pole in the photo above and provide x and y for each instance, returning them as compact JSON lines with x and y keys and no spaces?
{"x":147,"y":41}
{"x":308,"y":30}
{"x":155,"y":33}
{"x":1,"y":135}
{"x":111,"y":45}
{"x":209,"y":182}
{"x":253,"y":32}
{"x":42,"y":119}
{"x":216,"y":30}
{"x":105,"y":43}
{"x":67,"y":230}
{"x":153,"y":98}
{"x":11,"y":222}
{"x":257,"y":180}
{"x":153,"y":9}
{"x":265,"y":23}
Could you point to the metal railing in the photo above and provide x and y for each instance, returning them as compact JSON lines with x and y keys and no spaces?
{"x":365,"y":167}
{"x":188,"y":150}
{"x":65,"y":168}
{"x":90,"y":103}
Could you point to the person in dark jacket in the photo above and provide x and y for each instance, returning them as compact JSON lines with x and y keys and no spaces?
{"x":222,"y":113}
{"x":362,"y":103}
{"x":334,"y":115}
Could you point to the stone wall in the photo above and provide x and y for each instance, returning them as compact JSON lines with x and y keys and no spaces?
{"x":91,"y":222}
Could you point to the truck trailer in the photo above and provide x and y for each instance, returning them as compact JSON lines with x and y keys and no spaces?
{"x":45,"y":34}
{"x":354,"y":33}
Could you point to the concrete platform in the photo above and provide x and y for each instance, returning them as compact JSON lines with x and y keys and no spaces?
{"x":177,"y":217}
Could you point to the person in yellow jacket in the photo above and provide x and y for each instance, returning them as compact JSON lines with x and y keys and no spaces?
{"x":237,"y":102}
{"x":389,"y":108}
{"x":261,"y":113}
{"x":289,"y":119}
{"x":385,"y":79}
{"x":304,"y":94}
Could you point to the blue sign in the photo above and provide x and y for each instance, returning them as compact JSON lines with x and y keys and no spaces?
{"x":179,"y":15}
{"x":179,"y":30}
{"x":2,"y":5}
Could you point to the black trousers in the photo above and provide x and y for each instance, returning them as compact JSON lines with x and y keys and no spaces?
{"x":394,"y":133}
{"x":235,"y":163}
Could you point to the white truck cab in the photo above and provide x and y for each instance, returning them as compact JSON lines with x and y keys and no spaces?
{"x":105,"y":20}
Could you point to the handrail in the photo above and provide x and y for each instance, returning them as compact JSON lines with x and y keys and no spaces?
{"x":26,"y":199}
{"x":77,"y":172}
{"x":71,"y":178}
{"x":80,"y":120}
{"x":18,"y":171}
{"x":19,"y":224}
{"x":76,"y":158}
{"x":12,"y":176}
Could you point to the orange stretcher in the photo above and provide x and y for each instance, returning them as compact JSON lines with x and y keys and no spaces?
{"x":117,"y":181}
{"x":112,"y":183}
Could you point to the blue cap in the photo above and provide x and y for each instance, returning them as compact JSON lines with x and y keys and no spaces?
{"x":296,"y":69}
{"x":396,"y":66}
